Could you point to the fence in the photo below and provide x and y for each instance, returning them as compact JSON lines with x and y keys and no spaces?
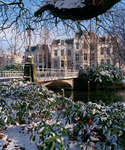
{"x":11,"y":73}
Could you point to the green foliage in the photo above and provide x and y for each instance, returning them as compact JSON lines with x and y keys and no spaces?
{"x":16,"y":67}
{"x":104,"y":76}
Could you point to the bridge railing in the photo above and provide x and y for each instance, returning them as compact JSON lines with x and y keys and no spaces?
{"x":52,"y":74}
{"x":44,"y":74}
{"x":11,"y":73}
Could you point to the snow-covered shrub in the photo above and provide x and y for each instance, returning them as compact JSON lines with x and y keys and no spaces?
{"x":56,"y":122}
{"x":104,"y":76}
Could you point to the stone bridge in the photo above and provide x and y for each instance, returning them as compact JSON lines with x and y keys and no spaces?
{"x":57,"y":78}
{"x":67,"y":84}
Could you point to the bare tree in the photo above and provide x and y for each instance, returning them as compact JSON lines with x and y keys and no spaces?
{"x":115,"y":27}
{"x":44,"y":14}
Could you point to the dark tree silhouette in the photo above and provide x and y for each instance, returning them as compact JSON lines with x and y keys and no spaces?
{"x":80,"y":10}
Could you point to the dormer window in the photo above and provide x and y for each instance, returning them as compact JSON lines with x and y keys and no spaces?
{"x":62,"y":42}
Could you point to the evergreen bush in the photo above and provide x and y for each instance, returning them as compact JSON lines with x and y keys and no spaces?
{"x":103,"y":76}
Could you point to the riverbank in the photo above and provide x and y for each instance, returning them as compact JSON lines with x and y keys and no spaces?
{"x":33,"y":117}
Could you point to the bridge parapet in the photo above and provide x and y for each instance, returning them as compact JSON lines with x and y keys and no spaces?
{"x":44,"y":74}
{"x":49,"y":74}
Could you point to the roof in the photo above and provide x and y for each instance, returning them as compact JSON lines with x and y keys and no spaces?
{"x":69,"y":41}
{"x":56,"y":41}
{"x":33,"y":48}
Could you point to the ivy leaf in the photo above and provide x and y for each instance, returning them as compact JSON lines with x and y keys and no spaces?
{"x":34,"y":138}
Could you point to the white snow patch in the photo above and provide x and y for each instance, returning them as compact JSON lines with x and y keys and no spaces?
{"x":68,"y":4}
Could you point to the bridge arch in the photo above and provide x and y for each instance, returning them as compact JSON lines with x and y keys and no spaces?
{"x":59,"y":84}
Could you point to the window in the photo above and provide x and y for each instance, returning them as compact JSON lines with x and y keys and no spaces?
{"x":62,"y":52}
{"x":40,"y":58}
{"x":78,"y":34}
{"x":77,"y":67}
{"x":55,"y":64}
{"x":62,"y":42}
{"x":69,"y":63}
{"x":55,"y":52}
{"x":36,"y":57}
{"x":85,"y":56}
{"x":112,"y":39}
{"x":62,"y":63}
{"x":108,"y":51}
{"x":93,"y":45}
{"x":108,"y":40}
{"x":102,"y":51}
{"x":40,"y":68}
{"x":92,"y":57}
{"x":102,"y":39}
{"x":77,"y":45}
{"x":85,"y":45}
{"x":69,"y":52}
{"x":77,"y":57}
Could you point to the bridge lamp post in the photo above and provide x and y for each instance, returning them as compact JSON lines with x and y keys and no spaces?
{"x":30,"y":68}
{"x":29,"y":32}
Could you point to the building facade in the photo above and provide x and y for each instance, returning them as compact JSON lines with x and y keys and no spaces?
{"x":85,"y":49}
{"x":41,"y":55}
{"x":8,"y":58}
{"x":62,"y":53}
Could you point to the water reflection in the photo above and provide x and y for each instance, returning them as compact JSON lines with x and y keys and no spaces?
{"x":96,"y":96}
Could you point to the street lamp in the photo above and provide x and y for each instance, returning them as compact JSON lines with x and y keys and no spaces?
{"x":29,"y":31}
{"x":29,"y":67}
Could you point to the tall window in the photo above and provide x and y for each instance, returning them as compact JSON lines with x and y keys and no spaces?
{"x":77,"y":45}
{"x":36,"y":57}
{"x":108,"y":51}
{"x":92,"y":57}
{"x":102,"y":51}
{"x":55,"y":64}
{"x":77,"y":57}
{"x":62,"y":52}
{"x":102,"y":39}
{"x":85,"y":56}
{"x":77,"y":67}
{"x":62,"y":63}
{"x":55,"y":52}
{"x":84,"y":45}
{"x":69,"y":52}
{"x":40,"y":58}
{"x":69,"y":63}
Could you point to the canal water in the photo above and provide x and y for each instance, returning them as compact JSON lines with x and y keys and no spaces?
{"x":97,"y":96}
